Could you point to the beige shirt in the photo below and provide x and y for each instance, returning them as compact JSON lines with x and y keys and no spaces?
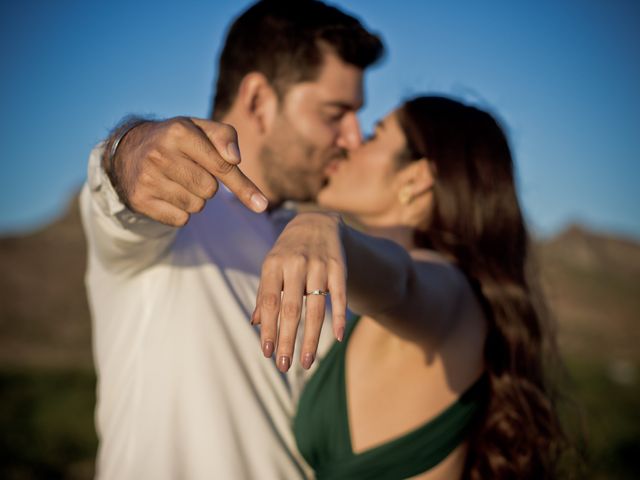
{"x":183,"y":389}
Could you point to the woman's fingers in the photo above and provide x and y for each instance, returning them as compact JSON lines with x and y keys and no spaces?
{"x":337,"y":283}
{"x":268,"y":307}
{"x":292,"y":295}
{"x":307,"y":257}
{"x":314,"y":313}
{"x":279,"y":306}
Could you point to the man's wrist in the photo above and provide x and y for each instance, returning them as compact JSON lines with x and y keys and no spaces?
{"x":110,"y":153}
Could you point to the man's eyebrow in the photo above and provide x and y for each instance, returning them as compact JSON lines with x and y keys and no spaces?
{"x":345,"y":105}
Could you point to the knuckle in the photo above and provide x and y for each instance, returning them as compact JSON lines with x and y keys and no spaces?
{"x":272,"y":260}
{"x":145,"y":178}
{"x":270,"y":302}
{"x":317,"y":264}
{"x":268,"y":330}
{"x":202,"y":183}
{"x":298,"y":260}
{"x":210,"y":188}
{"x":176,"y":128}
{"x":226,"y":132}
{"x":291,"y":309}
{"x":179,"y":219}
{"x":196,"y":177}
{"x":335,"y":263}
{"x":197,"y":204}
{"x":155,"y":159}
{"x":182,"y":201}
{"x":222,"y":166}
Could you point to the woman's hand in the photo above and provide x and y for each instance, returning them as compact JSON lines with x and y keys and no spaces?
{"x":307,"y":257}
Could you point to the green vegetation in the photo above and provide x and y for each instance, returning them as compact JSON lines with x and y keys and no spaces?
{"x":609,"y":409}
{"x":46,"y":420}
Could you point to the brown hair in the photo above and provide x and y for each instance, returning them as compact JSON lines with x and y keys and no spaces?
{"x":478,"y":222}
{"x":284,"y":40}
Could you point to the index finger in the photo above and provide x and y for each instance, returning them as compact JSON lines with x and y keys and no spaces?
{"x":224,"y":166}
{"x":244,"y":189}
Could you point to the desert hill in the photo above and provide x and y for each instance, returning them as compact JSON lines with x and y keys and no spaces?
{"x":44,"y":316}
{"x":592,"y":281}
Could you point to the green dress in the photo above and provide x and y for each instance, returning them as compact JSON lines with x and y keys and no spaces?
{"x":321,"y":429}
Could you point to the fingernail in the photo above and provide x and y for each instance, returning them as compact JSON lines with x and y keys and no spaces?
{"x":340,"y":334}
{"x":259,"y":201}
{"x":267,"y":348}
{"x":233,"y":152}
{"x":284,"y":363}
{"x":307,"y":360}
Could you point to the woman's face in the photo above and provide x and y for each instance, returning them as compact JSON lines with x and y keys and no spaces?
{"x":367,"y":183}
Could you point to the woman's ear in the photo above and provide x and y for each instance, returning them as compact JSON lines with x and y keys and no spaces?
{"x":258,"y":100}
{"x":417,"y":178}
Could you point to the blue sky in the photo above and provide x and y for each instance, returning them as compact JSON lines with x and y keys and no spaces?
{"x":562,"y":75}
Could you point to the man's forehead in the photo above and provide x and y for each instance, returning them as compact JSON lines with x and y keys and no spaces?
{"x":338,"y":84}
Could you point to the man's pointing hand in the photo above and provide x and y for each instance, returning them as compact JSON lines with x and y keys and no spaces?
{"x":168,"y":170}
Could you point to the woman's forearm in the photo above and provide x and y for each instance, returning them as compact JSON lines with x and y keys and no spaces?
{"x":379,"y":272}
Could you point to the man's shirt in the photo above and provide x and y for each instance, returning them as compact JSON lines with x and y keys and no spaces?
{"x":184,"y":391}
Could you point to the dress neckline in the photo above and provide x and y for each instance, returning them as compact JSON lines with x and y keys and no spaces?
{"x":436,"y":423}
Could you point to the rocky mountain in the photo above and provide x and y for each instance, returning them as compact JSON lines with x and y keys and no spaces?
{"x":44,"y":316}
{"x":592,"y":282}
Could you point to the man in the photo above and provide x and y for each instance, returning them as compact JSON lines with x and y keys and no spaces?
{"x":174,"y":257}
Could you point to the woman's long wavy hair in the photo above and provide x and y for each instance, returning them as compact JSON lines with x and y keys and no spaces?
{"x":477,"y":221}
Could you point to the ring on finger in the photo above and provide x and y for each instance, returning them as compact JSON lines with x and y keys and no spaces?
{"x":324,"y":293}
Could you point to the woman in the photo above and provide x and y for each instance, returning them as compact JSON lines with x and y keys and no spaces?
{"x":442,"y":375}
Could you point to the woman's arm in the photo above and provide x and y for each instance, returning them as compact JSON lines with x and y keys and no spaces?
{"x":410,"y":293}
{"x":317,"y":251}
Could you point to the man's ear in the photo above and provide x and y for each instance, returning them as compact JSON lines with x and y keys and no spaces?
{"x":258,"y":100}
{"x":418,"y":176}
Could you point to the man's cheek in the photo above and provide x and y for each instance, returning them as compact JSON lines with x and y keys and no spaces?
{"x":320,"y":134}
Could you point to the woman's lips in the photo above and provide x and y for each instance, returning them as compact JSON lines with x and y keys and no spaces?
{"x":332,"y":167}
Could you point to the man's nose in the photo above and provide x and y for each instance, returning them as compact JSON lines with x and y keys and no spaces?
{"x":350,"y":136}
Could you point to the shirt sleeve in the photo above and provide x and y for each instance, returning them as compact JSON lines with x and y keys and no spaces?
{"x":118,"y":237}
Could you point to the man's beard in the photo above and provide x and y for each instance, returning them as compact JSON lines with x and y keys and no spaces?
{"x":292,"y":165}
{"x":290,"y":180}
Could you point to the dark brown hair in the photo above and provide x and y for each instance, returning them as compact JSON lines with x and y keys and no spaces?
{"x":283,"y":39}
{"x":477,"y":221}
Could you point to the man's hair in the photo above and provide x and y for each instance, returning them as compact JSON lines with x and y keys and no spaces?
{"x":285,"y":41}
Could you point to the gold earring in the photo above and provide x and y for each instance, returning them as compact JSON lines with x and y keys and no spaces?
{"x":405,"y":195}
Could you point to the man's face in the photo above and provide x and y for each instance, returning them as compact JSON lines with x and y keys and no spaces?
{"x":315,"y":126}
